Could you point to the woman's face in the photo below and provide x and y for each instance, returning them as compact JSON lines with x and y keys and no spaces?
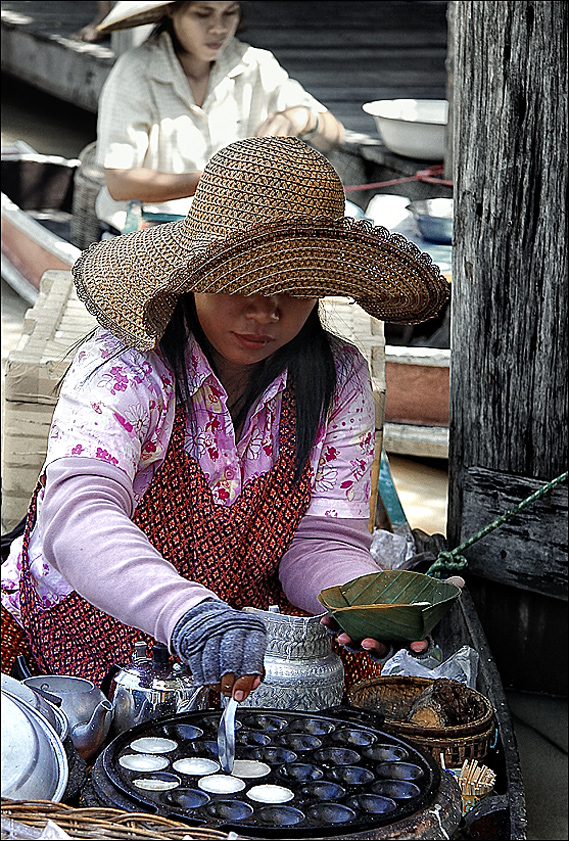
{"x":204,"y":27}
{"x":246,"y":329}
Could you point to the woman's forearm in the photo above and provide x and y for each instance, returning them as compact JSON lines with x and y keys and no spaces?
{"x":89,"y":538}
{"x":325,"y":552}
{"x":330,"y":132}
{"x":148,"y":185}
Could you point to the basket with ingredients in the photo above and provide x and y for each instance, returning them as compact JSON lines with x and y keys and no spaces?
{"x":443,"y":716}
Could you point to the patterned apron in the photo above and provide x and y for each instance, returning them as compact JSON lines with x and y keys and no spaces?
{"x":233,"y":550}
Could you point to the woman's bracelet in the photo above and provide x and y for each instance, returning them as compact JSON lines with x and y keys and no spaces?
{"x":313,"y":131}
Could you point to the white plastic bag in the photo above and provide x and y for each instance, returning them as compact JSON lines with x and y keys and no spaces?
{"x":461,"y":666}
{"x":13,"y":829}
{"x":390,"y":550}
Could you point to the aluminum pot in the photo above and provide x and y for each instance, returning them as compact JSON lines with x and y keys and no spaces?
{"x":34,"y":762}
{"x":301,"y":670}
{"x":51,"y":712}
{"x":88,"y":711}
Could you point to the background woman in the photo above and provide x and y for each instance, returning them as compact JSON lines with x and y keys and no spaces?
{"x":168,"y":105}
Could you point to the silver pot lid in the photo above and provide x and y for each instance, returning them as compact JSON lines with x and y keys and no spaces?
{"x":34,"y":762}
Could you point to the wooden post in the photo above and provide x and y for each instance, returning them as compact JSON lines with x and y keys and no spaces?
{"x":508,"y":412}
{"x":449,"y":65}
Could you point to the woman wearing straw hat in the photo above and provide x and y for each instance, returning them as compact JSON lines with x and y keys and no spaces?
{"x":212,"y":444}
{"x":192,"y":88}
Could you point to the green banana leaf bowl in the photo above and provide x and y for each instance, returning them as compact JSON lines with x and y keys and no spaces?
{"x":389,"y":605}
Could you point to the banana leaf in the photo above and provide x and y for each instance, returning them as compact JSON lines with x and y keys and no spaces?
{"x":390,"y":605}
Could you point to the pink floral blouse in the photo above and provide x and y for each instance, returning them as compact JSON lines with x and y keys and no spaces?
{"x":118,"y":405}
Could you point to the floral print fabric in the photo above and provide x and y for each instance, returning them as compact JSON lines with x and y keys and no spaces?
{"x":118,"y":406}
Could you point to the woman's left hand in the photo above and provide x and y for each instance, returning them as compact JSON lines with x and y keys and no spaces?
{"x":374,"y":647}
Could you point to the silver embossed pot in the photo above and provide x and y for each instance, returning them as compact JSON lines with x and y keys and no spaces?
{"x":301,"y":670}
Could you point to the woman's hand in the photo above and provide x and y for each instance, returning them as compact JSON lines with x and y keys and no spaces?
{"x":223,"y":647}
{"x":378,"y":650}
{"x":300,"y":121}
{"x":238,"y":688}
{"x":375,"y":648}
{"x":292,"y":122}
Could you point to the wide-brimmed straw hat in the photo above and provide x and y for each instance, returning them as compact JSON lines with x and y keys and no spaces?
{"x":125,"y":15}
{"x":267,"y":218}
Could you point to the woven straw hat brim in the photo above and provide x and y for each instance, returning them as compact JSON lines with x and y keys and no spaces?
{"x":116,"y":278}
{"x":386,"y":274}
{"x":126,"y":15}
{"x":132,"y":282}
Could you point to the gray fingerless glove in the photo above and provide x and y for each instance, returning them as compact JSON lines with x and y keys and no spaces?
{"x":214,"y":639}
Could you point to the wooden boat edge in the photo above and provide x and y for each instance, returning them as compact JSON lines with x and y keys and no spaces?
{"x":462,"y":621}
{"x":29,"y":250}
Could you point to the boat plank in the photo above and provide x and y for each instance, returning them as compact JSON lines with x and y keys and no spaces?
{"x":462,"y":626}
{"x":503,"y":555}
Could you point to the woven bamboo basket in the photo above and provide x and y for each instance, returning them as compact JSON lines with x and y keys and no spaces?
{"x":88,"y":180}
{"x":104,"y":824}
{"x":393,"y":697}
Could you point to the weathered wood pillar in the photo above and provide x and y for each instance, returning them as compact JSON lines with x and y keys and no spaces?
{"x":449,"y":66}
{"x":508,"y":423}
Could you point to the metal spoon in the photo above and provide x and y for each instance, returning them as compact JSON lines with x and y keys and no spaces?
{"x":226,"y":737}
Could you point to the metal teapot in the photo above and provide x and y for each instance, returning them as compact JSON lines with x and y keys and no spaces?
{"x":301,"y":670}
{"x":150,"y":687}
{"x":87,"y":710}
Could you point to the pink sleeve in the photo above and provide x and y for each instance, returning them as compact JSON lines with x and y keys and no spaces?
{"x":88,"y":536}
{"x":324,"y":552}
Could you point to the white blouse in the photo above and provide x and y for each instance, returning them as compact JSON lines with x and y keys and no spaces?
{"x":148,"y":116}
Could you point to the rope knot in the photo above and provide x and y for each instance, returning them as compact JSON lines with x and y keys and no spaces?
{"x":447,"y":563}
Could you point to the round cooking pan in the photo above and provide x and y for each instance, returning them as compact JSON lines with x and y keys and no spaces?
{"x":333,"y":773}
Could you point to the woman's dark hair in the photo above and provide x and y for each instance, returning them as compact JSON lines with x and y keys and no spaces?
{"x":308,"y":358}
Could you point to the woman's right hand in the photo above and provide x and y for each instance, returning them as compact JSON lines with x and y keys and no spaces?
{"x":238,"y":688}
{"x":223,"y":647}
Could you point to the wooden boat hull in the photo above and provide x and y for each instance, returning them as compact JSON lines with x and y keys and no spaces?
{"x":417,"y":401}
{"x":36,"y":218}
{"x":501,"y":815}
{"x":417,"y":385}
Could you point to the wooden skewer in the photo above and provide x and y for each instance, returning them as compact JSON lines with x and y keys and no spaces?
{"x":475,"y":778}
